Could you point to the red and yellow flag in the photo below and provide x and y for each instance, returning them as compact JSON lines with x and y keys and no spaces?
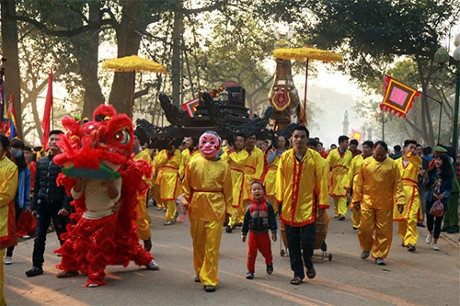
{"x":397,"y":97}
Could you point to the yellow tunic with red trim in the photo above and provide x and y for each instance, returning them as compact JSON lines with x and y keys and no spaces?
{"x":168,"y":169}
{"x":409,"y":175}
{"x":143,"y":226}
{"x":378,"y":185}
{"x":300,"y":186}
{"x":8,"y":187}
{"x":253,"y":170}
{"x":186,"y":156}
{"x":270,"y":177}
{"x":208,"y":189}
{"x":145,"y":155}
{"x":353,"y":171}
{"x":339,"y":164}
{"x":236,"y":162}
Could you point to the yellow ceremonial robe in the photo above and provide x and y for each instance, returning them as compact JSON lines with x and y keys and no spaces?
{"x":253,"y":170}
{"x":207,"y":188}
{"x":236,"y":161}
{"x":8,"y":187}
{"x":168,"y":167}
{"x":270,"y":176}
{"x":378,"y":189}
{"x":352,"y":176}
{"x":143,"y":226}
{"x":300,"y":187}
{"x":407,"y":225}
{"x":339,"y":164}
{"x":186,"y":156}
{"x":169,"y":179}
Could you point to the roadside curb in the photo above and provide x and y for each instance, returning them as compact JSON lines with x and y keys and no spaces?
{"x":451,"y":238}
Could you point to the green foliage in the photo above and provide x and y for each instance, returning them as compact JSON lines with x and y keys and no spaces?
{"x":233,"y":40}
{"x":380,"y":37}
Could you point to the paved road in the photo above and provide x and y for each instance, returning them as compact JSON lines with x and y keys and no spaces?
{"x":422,"y":278}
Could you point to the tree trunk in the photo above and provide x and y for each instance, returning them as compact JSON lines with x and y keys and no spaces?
{"x":10,"y":52}
{"x":178,"y":31}
{"x":128,"y":41}
{"x":85,"y":49}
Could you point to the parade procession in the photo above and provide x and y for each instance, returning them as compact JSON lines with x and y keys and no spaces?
{"x":150,"y":150}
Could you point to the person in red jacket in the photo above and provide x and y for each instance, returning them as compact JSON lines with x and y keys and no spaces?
{"x":259,"y":218}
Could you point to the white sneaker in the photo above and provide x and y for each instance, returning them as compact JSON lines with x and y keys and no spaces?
{"x":428,"y":238}
{"x":8,"y":260}
{"x":153,"y":265}
{"x":435,"y":247}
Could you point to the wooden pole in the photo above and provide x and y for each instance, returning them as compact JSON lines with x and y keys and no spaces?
{"x":304,"y":114}
{"x":132,"y":94}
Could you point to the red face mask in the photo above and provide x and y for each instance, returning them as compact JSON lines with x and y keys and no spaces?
{"x":209,"y":145}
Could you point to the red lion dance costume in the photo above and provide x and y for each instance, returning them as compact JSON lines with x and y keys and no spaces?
{"x":94,"y":152}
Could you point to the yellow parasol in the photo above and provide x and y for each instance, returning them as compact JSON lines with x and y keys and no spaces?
{"x":133,"y":64}
{"x":305,"y":55}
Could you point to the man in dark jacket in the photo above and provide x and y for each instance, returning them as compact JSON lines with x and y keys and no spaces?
{"x":49,"y":202}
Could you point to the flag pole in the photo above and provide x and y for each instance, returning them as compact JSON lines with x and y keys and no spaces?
{"x":304,"y":115}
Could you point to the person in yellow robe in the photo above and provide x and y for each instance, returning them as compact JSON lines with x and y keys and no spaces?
{"x":143,"y":226}
{"x":409,"y":167}
{"x":376,"y":192}
{"x":187,"y":154}
{"x":167,"y":163}
{"x":207,"y":189}
{"x":301,"y":187}
{"x":353,"y":176}
{"x":154,"y":190}
{"x":339,"y":160}
{"x":8,"y":187}
{"x":253,"y":170}
{"x":273,"y":157}
{"x":236,"y":157}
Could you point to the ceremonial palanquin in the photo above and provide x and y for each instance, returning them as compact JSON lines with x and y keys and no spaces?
{"x":283,"y":94}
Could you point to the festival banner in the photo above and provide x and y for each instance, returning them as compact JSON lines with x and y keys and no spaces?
{"x":46,"y":123}
{"x":190,"y":106}
{"x":4,"y":124}
{"x":357,"y":135}
{"x":397,"y":97}
{"x":12,"y":118}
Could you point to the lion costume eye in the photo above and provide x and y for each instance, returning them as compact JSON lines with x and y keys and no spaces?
{"x":122,"y":136}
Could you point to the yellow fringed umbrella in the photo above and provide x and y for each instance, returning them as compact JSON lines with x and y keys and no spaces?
{"x":305,"y":55}
{"x":133,"y":64}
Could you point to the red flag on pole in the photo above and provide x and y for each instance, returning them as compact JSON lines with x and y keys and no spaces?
{"x":46,"y":123}
{"x":12,"y":118}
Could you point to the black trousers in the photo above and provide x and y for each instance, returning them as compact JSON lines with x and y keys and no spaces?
{"x":45,"y":213}
{"x":301,"y":242}
{"x":432,"y":221}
